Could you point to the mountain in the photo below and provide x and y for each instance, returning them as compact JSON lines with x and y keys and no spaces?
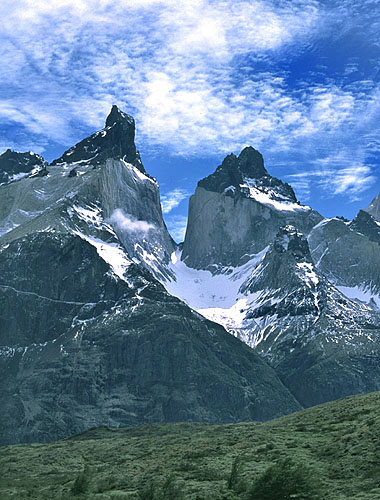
{"x":236,"y":212}
{"x":335,"y":446}
{"x":117,"y":201}
{"x":14,"y":166}
{"x":105,"y":320}
{"x":88,"y":335}
{"x":246,"y":264}
{"x":347,"y":254}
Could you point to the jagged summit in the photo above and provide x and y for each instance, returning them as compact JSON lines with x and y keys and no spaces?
{"x":118,"y":116}
{"x":374,"y":208}
{"x":288,"y":270}
{"x":289,"y":239}
{"x":234,"y":169}
{"x":116,"y":140}
{"x":244,"y":173}
{"x":15,"y":165}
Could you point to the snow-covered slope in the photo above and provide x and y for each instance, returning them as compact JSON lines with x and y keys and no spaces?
{"x":217,"y":297}
{"x":321,"y":343}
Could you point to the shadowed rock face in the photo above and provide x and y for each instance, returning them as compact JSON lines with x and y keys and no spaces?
{"x":115,"y":140}
{"x":237,"y":211}
{"x":81,"y":347}
{"x":365,"y":224}
{"x":12,"y":164}
{"x":322,"y":345}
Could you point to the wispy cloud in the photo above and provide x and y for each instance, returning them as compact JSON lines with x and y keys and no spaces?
{"x":173,"y":66}
{"x":201,"y":77}
{"x":350,"y":181}
{"x":177,"y":226}
{"x":172,"y":199}
{"x":128,"y":223}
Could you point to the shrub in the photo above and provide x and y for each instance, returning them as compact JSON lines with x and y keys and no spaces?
{"x":81,"y":483}
{"x":168,"y":490}
{"x":285,"y":480}
{"x":234,"y":480}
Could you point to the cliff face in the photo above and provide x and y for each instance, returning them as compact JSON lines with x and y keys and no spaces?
{"x":82,"y":347}
{"x":374,"y":208}
{"x":103,"y":197}
{"x":237,"y":211}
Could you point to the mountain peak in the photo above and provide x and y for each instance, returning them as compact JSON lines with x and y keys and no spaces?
{"x":15,"y":165}
{"x":118,"y":116}
{"x":116,"y":140}
{"x":365,"y":224}
{"x":289,"y":239}
{"x":234,"y":169}
{"x":251,"y":163}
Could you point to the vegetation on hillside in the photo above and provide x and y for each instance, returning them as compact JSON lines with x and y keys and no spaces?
{"x":330,"y":452}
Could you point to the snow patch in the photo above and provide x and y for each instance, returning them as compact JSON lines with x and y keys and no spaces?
{"x":359,"y":294}
{"x":266,"y":199}
{"x":215,"y":296}
{"x":110,"y":253}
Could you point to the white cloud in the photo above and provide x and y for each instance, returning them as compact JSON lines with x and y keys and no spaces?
{"x":170,"y":63}
{"x":187,"y":72}
{"x":129,"y":223}
{"x":172,"y":199}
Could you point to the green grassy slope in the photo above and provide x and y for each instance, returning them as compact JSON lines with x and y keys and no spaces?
{"x":339,"y":441}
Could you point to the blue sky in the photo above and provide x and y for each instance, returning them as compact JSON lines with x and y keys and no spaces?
{"x":299,"y":80}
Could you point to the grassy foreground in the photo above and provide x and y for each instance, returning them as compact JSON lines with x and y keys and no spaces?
{"x":339,"y":443}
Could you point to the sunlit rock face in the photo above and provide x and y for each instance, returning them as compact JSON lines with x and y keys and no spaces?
{"x":374,"y":208}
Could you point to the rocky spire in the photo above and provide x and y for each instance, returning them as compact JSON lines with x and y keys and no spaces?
{"x":234,"y":169}
{"x":374,"y":208}
{"x":115,"y":140}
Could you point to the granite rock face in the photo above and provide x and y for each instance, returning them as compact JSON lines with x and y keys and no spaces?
{"x":374,"y":208}
{"x":348,"y":254}
{"x":114,"y":200}
{"x":237,"y":211}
